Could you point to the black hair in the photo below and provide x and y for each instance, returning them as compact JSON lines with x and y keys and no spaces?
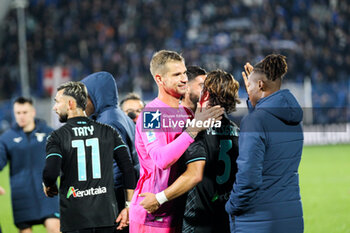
{"x":131,"y":96}
{"x":274,"y":66}
{"x":194,"y":71}
{"x":23,"y":100}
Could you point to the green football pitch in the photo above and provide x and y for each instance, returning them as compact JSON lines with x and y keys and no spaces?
{"x":325,"y":191}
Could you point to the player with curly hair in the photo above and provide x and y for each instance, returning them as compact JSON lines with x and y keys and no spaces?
{"x":211,"y":163}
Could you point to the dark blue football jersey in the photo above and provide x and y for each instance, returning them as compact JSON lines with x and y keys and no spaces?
{"x":84,"y":151}
{"x":205,"y":204}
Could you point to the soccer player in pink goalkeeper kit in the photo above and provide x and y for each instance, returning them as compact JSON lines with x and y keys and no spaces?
{"x":159,"y":149}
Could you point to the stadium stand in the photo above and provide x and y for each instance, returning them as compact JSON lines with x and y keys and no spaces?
{"x":120,"y":36}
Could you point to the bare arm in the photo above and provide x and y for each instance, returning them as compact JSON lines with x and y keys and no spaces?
{"x":189,"y":179}
{"x":129,"y":194}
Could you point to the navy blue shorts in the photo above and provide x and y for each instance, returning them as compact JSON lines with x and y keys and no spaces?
{"x":29,"y":224}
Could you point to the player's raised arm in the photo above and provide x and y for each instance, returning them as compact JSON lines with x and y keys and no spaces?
{"x":158,"y":147}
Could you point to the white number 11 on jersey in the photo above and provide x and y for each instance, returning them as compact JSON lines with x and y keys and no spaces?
{"x":81,"y":156}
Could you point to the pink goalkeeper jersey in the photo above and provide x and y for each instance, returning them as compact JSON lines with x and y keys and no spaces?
{"x":158,"y":150}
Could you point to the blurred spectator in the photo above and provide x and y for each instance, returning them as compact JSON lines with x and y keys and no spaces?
{"x":120,"y":37}
{"x":132,"y":105}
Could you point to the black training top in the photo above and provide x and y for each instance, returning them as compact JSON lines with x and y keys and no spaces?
{"x":205,"y":205}
{"x":83,"y":151}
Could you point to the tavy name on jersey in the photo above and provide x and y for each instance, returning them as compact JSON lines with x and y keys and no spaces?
{"x":83,"y":130}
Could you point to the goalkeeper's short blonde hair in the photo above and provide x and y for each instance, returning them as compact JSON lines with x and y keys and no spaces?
{"x":161,"y":58}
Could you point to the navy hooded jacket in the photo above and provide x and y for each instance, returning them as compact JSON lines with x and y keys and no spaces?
{"x":103,"y":92}
{"x":27,"y":161}
{"x":266,"y":196}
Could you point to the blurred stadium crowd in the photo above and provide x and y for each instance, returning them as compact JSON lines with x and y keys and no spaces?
{"x":120,"y":36}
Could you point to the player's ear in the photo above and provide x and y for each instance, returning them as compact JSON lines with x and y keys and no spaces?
{"x":203,"y":99}
{"x":262,"y":85}
{"x":71,"y":104}
{"x":205,"y":96}
{"x":159,"y":79}
{"x":34,"y":112}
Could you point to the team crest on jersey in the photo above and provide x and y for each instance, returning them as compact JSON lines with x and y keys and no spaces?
{"x":17,"y":140}
{"x":151,"y":136}
{"x":83,"y":193}
{"x":151,"y":120}
{"x":40,"y":136}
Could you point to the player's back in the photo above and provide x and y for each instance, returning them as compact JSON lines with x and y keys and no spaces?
{"x":86,"y":190}
{"x":205,"y":206}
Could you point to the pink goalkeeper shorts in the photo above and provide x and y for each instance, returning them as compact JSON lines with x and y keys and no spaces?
{"x":135,"y":227}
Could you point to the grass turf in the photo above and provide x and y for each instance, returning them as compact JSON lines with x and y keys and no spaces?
{"x":325,"y":190}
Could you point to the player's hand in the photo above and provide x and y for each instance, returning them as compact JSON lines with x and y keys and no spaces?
{"x":150,"y":202}
{"x":123,"y":218}
{"x":205,"y":113}
{"x":2,"y":191}
{"x":248,"y":69}
{"x":50,"y":191}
